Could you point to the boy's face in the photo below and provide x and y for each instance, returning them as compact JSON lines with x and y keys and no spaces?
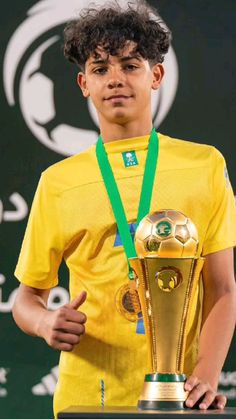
{"x":120,"y":86}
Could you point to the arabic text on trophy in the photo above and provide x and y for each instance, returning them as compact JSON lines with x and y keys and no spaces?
{"x":166,"y":273}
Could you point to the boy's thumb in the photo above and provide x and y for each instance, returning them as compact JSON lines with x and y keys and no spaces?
{"x":78,"y":301}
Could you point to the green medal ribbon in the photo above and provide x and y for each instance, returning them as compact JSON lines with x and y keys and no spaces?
{"x":114,"y":195}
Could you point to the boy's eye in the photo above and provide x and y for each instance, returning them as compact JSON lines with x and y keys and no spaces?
{"x":130,"y":67}
{"x":100,"y":70}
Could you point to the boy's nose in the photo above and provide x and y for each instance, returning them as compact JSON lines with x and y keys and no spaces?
{"x":116,"y":79}
{"x":114,"y":82}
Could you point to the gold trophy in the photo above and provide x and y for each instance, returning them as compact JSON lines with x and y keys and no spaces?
{"x":166,"y":280}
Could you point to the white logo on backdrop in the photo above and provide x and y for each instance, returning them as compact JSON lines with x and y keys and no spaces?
{"x":18,"y":213}
{"x":3,"y":380}
{"x":58,"y":297}
{"x":36,"y":90}
{"x":227,"y":379}
{"x":6,"y":306}
{"x":47,"y":384}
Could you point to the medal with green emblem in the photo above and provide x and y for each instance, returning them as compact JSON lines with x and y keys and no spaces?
{"x":127,"y":300}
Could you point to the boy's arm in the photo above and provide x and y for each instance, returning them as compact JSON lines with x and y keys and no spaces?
{"x":219,"y":314}
{"x":61,"y":329}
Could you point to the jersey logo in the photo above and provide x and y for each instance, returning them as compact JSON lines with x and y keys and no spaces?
{"x":130,"y":158}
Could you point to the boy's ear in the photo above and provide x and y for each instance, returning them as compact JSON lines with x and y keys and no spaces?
{"x":158,"y":73}
{"x":81,"y":81}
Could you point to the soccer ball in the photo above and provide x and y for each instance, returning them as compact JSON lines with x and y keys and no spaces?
{"x":167,"y":234}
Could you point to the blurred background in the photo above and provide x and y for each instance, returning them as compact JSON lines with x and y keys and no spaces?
{"x":45,"y":119}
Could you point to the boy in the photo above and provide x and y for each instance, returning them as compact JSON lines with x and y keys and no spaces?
{"x":120,"y":56}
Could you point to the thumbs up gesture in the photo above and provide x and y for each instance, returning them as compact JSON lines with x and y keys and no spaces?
{"x":64,"y":327}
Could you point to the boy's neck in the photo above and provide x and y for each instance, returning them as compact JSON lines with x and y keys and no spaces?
{"x":115,"y":132}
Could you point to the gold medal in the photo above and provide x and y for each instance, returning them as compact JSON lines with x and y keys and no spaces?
{"x":127,"y":302}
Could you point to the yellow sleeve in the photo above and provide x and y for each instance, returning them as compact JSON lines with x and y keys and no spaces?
{"x":221,"y":231}
{"x":42,"y":248}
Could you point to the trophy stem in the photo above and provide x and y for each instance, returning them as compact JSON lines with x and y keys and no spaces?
{"x":163,"y":391}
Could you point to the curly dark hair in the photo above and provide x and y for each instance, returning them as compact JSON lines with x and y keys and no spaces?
{"x":111,"y":26}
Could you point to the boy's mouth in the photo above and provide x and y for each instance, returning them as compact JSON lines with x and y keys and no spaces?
{"x":117,"y":98}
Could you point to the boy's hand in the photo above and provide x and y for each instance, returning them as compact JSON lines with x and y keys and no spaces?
{"x":202,"y":393}
{"x":62,"y":329}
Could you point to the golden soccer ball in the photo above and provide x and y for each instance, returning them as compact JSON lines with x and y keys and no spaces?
{"x":167,"y":234}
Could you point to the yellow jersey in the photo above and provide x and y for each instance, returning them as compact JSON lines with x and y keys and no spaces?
{"x":72,"y":218}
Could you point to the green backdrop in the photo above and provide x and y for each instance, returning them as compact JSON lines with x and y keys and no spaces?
{"x":43,"y":115}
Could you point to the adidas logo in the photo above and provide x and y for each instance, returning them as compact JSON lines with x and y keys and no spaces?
{"x":47,"y":385}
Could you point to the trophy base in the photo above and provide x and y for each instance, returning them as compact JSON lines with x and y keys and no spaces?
{"x":160,"y":405}
{"x":163,"y":391}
